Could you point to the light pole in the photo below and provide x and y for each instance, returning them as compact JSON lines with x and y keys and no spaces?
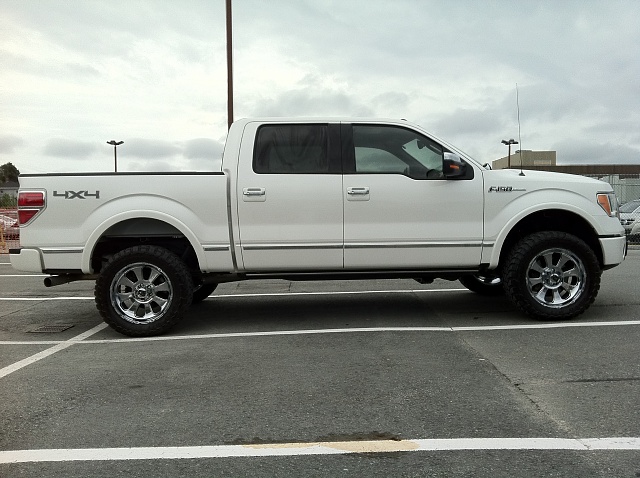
{"x":229,"y":65}
{"x":115,"y":152}
{"x":509,"y":142}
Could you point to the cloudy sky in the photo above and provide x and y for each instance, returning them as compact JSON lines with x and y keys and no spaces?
{"x":77,"y":73}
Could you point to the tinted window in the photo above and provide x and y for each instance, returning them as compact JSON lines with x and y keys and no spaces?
{"x":291,"y":149}
{"x":392,"y":149}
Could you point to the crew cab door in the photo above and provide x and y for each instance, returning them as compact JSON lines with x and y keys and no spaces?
{"x":289,"y":197}
{"x":400,"y":211}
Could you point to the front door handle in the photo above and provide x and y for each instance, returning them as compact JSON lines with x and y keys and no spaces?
{"x":358,"y":191}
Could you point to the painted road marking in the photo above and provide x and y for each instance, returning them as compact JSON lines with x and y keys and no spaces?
{"x":351,"y":330}
{"x":25,"y":275}
{"x":41,"y":299}
{"x":50,"y":351}
{"x":356,"y":330}
{"x":267,"y":294}
{"x":317,"y":448}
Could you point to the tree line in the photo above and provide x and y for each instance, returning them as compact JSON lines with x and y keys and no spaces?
{"x":8,"y":172}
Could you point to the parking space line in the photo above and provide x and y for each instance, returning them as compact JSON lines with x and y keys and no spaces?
{"x":267,"y":294}
{"x":25,"y":275}
{"x":41,"y":299}
{"x":350,"y":330}
{"x":316,"y":448}
{"x":50,"y":351}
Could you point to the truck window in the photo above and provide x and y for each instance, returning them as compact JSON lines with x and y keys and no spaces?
{"x":392,"y":149}
{"x":291,"y":149}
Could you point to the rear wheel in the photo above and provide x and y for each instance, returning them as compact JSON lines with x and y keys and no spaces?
{"x":552,"y":275}
{"x":143,"y":291}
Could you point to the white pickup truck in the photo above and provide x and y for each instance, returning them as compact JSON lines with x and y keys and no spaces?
{"x":320,"y":199}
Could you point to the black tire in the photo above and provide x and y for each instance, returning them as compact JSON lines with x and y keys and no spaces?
{"x":552,"y":275}
{"x":143,"y":291}
{"x":483,"y":284}
{"x":202,"y":292}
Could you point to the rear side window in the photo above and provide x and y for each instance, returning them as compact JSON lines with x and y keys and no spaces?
{"x":291,"y":149}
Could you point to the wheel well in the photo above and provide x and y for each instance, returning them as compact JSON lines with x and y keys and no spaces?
{"x":553,"y":220}
{"x":133,"y":232}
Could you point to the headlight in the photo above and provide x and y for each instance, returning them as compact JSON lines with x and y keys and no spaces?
{"x":609,"y":203}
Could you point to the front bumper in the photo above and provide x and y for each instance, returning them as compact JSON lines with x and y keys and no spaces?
{"x":614,"y":250}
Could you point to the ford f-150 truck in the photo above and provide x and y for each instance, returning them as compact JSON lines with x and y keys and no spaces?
{"x":302,"y":199}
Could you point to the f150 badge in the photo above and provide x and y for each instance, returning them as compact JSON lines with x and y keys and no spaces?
{"x":76,"y":194}
{"x":504,"y":189}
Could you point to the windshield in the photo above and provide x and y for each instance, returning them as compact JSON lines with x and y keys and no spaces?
{"x":630,"y":206}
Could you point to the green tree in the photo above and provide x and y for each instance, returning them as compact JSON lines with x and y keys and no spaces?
{"x":8,"y":202}
{"x":8,"y":172}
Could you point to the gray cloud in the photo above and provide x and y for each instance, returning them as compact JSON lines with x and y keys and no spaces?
{"x":69,"y":149}
{"x":9,"y":143}
{"x":202,"y":148}
{"x":149,"y":148}
{"x":594,"y":153}
{"x":487,"y":121}
{"x":311,"y":98}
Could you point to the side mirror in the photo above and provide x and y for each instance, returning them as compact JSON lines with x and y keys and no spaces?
{"x":453,"y":166}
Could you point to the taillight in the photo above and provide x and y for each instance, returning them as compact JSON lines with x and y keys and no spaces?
{"x":30,"y":203}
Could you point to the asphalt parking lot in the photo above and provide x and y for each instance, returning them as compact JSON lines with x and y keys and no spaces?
{"x":379,"y":378}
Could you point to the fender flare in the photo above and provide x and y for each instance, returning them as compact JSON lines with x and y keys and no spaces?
{"x":99,"y":231}
{"x":497,"y":249}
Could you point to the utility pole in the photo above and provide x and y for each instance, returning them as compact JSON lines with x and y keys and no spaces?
{"x":229,"y":65}
{"x":115,"y":145}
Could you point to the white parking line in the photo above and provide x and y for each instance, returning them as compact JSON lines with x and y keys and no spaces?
{"x":41,"y":299}
{"x":351,"y":330}
{"x":266,"y":294}
{"x":317,"y":448}
{"x":50,"y":351}
{"x":24,"y":275}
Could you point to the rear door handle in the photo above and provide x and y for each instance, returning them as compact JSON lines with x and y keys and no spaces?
{"x":254,"y":194}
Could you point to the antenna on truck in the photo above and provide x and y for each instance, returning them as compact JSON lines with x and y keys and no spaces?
{"x":519,"y":135}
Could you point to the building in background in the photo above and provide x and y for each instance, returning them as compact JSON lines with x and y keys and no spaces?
{"x":528,"y":158}
{"x":625,"y":178}
{"x":10,"y":188}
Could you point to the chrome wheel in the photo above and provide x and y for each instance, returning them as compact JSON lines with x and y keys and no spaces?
{"x":556,"y":277}
{"x":141,"y":293}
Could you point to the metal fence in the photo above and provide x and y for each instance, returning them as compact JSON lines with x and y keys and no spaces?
{"x":627,"y":188}
{"x":9,"y":231}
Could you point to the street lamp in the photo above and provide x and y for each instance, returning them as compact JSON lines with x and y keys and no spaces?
{"x":509,"y":142}
{"x":115,"y":152}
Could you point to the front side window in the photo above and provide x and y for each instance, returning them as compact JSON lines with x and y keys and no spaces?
{"x":392,"y":149}
{"x":291,"y":149}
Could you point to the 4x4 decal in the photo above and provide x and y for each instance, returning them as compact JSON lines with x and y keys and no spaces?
{"x":76,"y":194}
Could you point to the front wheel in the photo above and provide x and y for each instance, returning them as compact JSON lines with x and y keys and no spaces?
{"x":143,"y":291}
{"x":552,"y":275}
